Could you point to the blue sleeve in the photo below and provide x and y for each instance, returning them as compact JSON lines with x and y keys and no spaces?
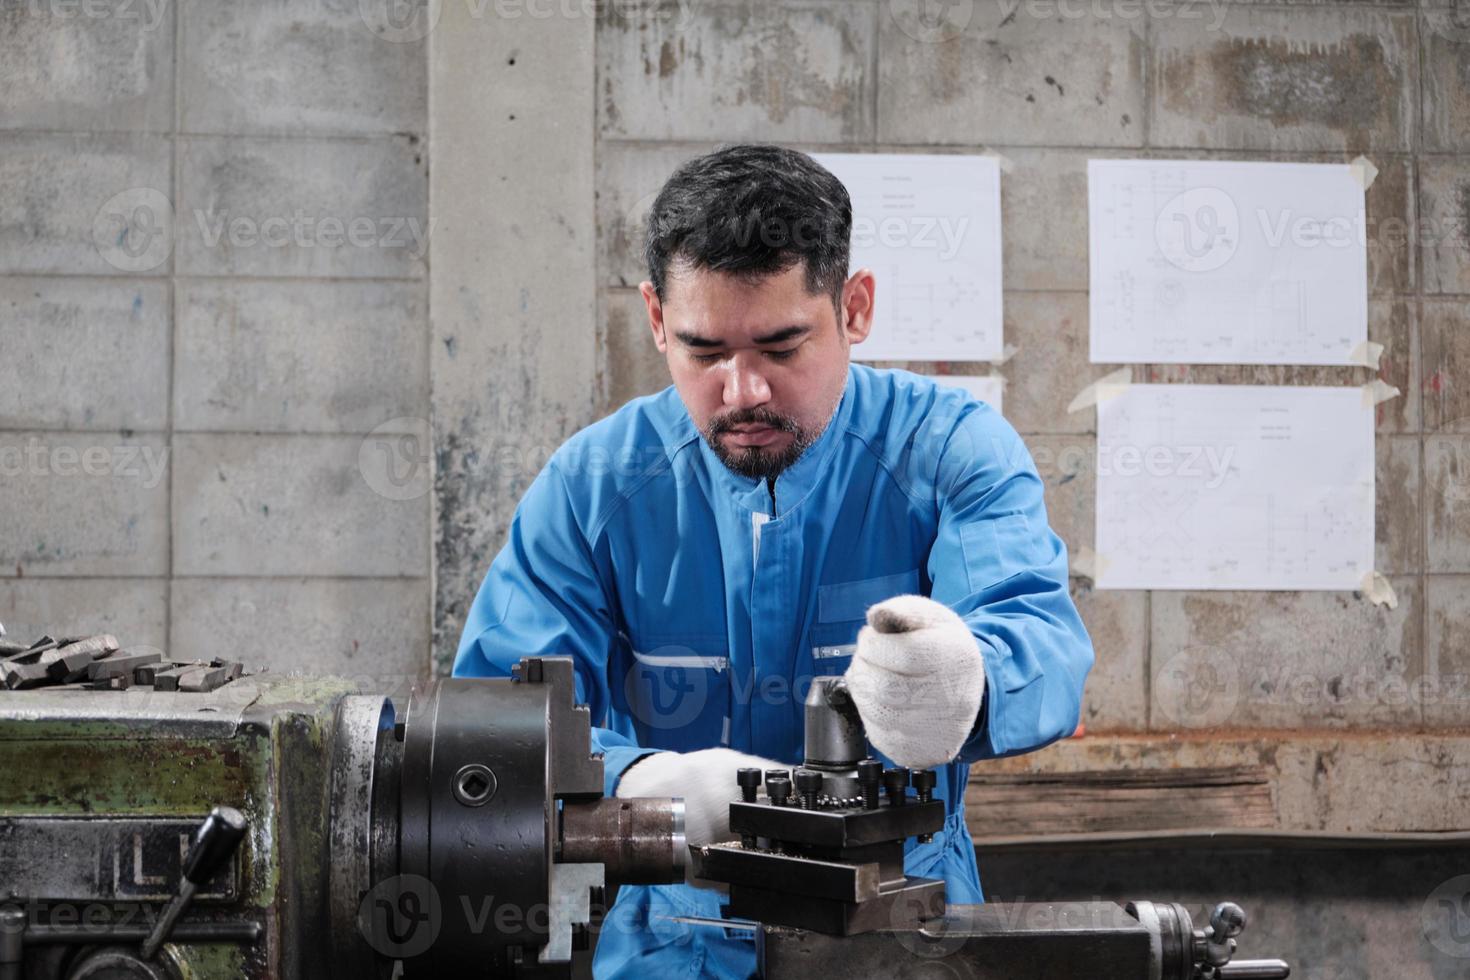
{"x":545,"y":594}
{"x":997,"y":562}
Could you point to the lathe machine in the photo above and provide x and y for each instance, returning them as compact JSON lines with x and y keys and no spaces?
{"x":264,"y":826}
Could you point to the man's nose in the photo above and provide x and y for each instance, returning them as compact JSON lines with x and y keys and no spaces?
{"x":745,"y":385}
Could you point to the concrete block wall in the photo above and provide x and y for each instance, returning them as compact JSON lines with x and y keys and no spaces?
{"x":214,"y":334}
{"x":1045,"y":86}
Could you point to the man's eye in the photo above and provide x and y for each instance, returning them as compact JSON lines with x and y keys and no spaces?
{"x":781,"y":355}
{"x":707,"y":358}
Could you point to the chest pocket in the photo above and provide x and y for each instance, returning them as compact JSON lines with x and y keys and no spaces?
{"x":842,"y":609}
{"x":677,"y":688}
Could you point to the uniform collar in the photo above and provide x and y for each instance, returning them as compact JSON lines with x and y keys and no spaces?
{"x":798,"y":479}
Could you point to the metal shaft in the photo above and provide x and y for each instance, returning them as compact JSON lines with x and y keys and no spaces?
{"x":1255,"y":970}
{"x":170,"y":916}
{"x":639,"y":841}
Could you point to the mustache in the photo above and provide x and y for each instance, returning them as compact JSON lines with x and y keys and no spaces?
{"x":752,"y":416}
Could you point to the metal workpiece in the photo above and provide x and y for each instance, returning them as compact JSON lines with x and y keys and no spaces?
{"x":488,"y":768}
{"x":835,"y":738}
{"x":1018,"y":941}
{"x":638,"y":841}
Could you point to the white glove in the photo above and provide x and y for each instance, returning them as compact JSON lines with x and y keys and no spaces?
{"x":706,"y":781}
{"x":917,"y":678}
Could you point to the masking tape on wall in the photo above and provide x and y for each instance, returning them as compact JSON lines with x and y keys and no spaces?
{"x":1363,"y":171}
{"x":1006,"y":353}
{"x":1087,"y":563}
{"x":1108,"y":386}
{"x":1367,"y":354}
{"x":1375,"y":589}
{"x":1377,"y":391}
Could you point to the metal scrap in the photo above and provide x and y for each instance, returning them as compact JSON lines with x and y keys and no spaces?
{"x":98,"y":662}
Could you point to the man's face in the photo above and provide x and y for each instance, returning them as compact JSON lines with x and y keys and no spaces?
{"x":760,"y":364}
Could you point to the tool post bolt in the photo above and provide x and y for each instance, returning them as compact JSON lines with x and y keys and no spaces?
{"x":870,"y":781}
{"x":749,"y":781}
{"x":809,"y":787}
{"x":778,"y":788}
{"x":896,"y":781}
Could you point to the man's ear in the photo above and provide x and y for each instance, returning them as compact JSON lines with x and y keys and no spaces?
{"x":655,"y":316}
{"x":857,"y":305}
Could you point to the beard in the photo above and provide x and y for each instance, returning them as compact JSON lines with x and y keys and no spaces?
{"x":758,"y":461}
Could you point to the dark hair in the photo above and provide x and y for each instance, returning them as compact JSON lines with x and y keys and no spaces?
{"x":752,"y":210}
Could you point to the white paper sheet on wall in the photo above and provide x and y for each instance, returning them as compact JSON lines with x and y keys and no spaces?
{"x":1214,"y":262}
{"x":989,"y":389}
{"x":1234,"y":487}
{"x":929,"y":227}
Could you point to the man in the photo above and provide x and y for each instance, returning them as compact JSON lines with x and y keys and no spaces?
{"x":703,"y":552}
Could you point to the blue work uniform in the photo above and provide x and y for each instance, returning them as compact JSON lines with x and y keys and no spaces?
{"x":698,"y":604}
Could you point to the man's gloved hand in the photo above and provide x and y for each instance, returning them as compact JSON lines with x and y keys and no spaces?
{"x":706,"y":781}
{"x":917,"y":679}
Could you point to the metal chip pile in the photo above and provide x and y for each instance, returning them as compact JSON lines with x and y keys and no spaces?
{"x":100,"y":663}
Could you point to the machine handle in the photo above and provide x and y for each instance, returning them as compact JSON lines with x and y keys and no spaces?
{"x":214,"y":842}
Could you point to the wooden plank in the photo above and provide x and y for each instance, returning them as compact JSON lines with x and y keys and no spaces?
{"x":1007,"y":805}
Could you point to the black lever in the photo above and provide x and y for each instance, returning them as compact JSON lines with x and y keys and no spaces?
{"x":214,"y":842}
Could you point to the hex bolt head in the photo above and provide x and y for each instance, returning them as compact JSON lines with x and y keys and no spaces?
{"x":896,"y":782}
{"x":749,"y":781}
{"x":808,"y":781}
{"x":809,"y":787}
{"x":924,"y":780}
{"x":778,"y":788}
